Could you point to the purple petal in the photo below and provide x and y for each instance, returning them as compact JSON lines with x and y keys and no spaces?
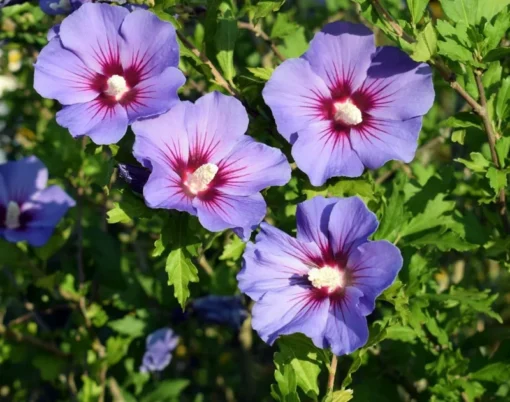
{"x":150,"y":44}
{"x":92,"y":33}
{"x":398,"y":87}
{"x":133,"y":175}
{"x":379,"y":141}
{"x":53,"y":32}
{"x":346,"y":328}
{"x":103,"y":123}
{"x":341,"y":55}
{"x":322,"y":152}
{"x":47,"y":207}
{"x":251,"y":167}
{"x":373,"y":266}
{"x":295,"y":95}
{"x":312,"y":218}
{"x":4,"y":195}
{"x":162,"y":140}
{"x":164,"y":190}
{"x":224,"y":211}
{"x":36,"y":237}
{"x":23,"y":178}
{"x":214,"y":124}
{"x":274,"y":261}
{"x":155,"y":360}
{"x":61,"y":75}
{"x":290,"y":310}
{"x":155,"y":95}
{"x":350,"y":224}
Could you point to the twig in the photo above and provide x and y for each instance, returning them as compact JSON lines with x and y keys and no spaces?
{"x":217,"y":75}
{"x":491,"y":138}
{"x":393,"y":23}
{"x":202,"y":261}
{"x":23,"y":338}
{"x":257,"y":30}
{"x":332,"y":373}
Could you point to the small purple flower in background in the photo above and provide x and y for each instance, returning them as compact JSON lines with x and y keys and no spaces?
{"x":133,"y":175}
{"x":62,"y":7}
{"x":323,"y":283}
{"x":110,"y":67}
{"x":29,"y":211}
{"x":202,"y":163}
{"x":159,"y":347}
{"x":346,"y":105}
{"x":227,"y":310}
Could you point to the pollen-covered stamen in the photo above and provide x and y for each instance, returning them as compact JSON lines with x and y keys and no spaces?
{"x":326,"y":277}
{"x":116,"y":86}
{"x":200,"y":179}
{"x":347,"y":113}
{"x":12,"y":216}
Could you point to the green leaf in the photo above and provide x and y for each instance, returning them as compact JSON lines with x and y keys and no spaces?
{"x":497,"y":179}
{"x":503,"y":99}
{"x":226,"y":35}
{"x":458,"y":136}
{"x":417,"y":8}
{"x":298,"y":352}
{"x":129,"y":326}
{"x":233,"y":250}
{"x":283,"y":26}
{"x":502,"y":149}
{"x":395,"y":215}
{"x":495,"y":372}
{"x":344,"y":395}
{"x":472,"y":11}
{"x":285,"y":389}
{"x":454,"y":51}
{"x":116,"y":348}
{"x":478,"y":163}
{"x":263,"y":73}
{"x":426,"y":46}
{"x":49,"y":367}
{"x":431,"y":217}
{"x":129,"y":208}
{"x":497,"y":54}
{"x":294,"y":45}
{"x":181,"y":271}
{"x":446,"y":241}
{"x":462,"y":120}
{"x":264,"y":8}
{"x":166,"y":391}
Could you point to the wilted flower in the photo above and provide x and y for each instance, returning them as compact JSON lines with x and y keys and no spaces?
{"x":227,"y":310}
{"x":323,"y":283}
{"x":346,"y":105}
{"x":159,"y":347}
{"x":29,"y":211}
{"x":202,"y":163}
{"x":110,"y":67}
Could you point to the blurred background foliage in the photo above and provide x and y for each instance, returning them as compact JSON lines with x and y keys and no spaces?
{"x":75,"y":313}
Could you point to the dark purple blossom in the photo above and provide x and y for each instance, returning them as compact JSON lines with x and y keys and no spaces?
{"x":29,"y":211}
{"x":202,"y":163}
{"x":226,"y":310}
{"x":346,"y":105}
{"x":133,"y":175}
{"x":63,"y":7}
{"x":324,"y":283}
{"x":159,"y":347}
{"x":109,"y":67}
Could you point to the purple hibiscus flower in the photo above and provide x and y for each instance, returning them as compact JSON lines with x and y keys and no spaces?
{"x":323,"y":283}
{"x":29,"y":211}
{"x":159,"y":347}
{"x":346,"y":105}
{"x":110,"y":68}
{"x":202,"y":163}
{"x":227,"y":310}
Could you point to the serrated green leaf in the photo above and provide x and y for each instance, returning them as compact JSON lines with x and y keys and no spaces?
{"x":496,"y":54}
{"x":283,"y":26}
{"x":233,"y":250}
{"x":181,"y":272}
{"x":295,"y":44}
{"x":458,"y":136}
{"x":497,"y":179}
{"x":433,"y":216}
{"x":503,"y":99}
{"x":426,"y":44}
{"x":417,"y":8}
{"x":478,"y":163}
{"x":446,"y":241}
{"x":495,"y":372}
{"x":263,"y":73}
{"x":264,"y":8}
{"x":116,"y":348}
{"x":226,"y":35}
{"x":395,"y":215}
{"x":129,"y":326}
{"x":472,"y":11}
{"x":454,"y":51}
{"x":344,"y":395}
{"x":462,"y":120}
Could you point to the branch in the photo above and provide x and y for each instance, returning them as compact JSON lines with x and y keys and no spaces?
{"x":22,"y":338}
{"x":222,"y":82}
{"x":332,"y":373}
{"x":257,"y":30}
{"x":399,"y":31}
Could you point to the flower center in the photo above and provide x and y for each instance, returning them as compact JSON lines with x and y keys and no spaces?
{"x":12,"y":216}
{"x":116,"y":86}
{"x":347,"y":113}
{"x":200,"y":179}
{"x":326,"y":277}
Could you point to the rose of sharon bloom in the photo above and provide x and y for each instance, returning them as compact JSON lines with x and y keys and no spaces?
{"x":226,"y":310}
{"x":346,"y":105}
{"x":110,"y":67}
{"x":202,"y":163}
{"x":324,"y":283}
{"x":29,"y":211}
{"x":159,"y":347}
